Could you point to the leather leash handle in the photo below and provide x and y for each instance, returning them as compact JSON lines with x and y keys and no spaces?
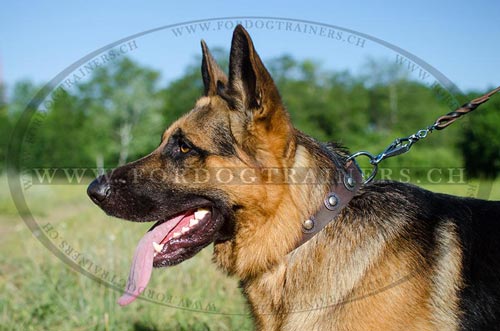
{"x":445,"y":120}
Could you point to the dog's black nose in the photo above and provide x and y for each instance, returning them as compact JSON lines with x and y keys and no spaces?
{"x":99,"y":190}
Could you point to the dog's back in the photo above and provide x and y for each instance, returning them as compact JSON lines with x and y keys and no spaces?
{"x":478,"y":224}
{"x":474,"y":225}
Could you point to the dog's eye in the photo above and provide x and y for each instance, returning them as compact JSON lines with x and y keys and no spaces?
{"x":184,"y":148}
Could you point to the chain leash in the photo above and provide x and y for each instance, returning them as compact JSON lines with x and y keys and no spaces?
{"x":402,"y":145}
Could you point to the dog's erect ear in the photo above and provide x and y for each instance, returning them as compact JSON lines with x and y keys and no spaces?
{"x":256,"y":103}
{"x":250,"y":84}
{"x":211,"y":72}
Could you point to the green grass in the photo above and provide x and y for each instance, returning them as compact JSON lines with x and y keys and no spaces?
{"x":40,"y":292}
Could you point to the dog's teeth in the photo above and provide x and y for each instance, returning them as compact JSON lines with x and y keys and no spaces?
{"x":157,"y":247}
{"x":193,"y":222}
{"x":200,"y":214}
{"x":176,"y":235}
{"x":184,"y":229}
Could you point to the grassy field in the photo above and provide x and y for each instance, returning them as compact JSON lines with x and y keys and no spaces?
{"x":41,"y":292}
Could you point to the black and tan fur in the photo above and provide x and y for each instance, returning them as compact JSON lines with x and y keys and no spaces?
{"x":398,"y":257}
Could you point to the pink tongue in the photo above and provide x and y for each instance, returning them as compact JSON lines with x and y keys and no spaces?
{"x":142,"y":264}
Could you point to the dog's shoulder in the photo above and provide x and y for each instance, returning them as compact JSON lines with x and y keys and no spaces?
{"x":473,"y":223}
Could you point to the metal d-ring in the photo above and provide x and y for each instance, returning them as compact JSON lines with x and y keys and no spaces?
{"x":373,"y":162}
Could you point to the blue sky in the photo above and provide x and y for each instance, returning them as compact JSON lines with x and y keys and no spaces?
{"x":461,"y":39}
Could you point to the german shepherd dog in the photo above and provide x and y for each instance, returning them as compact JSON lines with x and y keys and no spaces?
{"x":396,"y":258}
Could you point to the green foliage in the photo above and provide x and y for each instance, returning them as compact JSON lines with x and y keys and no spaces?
{"x":179,"y":97}
{"x":480,"y":142}
{"x":11,"y":110}
{"x":120,"y":112}
{"x":53,"y":149}
{"x":22,"y":93}
{"x":4,"y":128}
{"x":109,"y":120}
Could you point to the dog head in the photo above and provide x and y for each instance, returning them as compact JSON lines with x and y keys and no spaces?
{"x":218,"y":173}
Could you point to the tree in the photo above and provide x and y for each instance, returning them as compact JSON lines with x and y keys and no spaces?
{"x":4,"y":128}
{"x":61,"y":140}
{"x":22,"y":93}
{"x":122,"y":111}
{"x":11,"y":110}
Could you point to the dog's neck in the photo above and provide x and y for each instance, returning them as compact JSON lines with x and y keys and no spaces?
{"x":263,"y":240}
